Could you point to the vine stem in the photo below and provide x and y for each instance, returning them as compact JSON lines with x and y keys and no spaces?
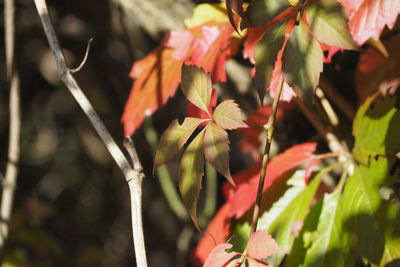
{"x":133,"y":174}
{"x":269,"y":128}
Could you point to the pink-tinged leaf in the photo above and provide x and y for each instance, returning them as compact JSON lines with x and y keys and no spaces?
{"x":331,"y":51}
{"x":216,"y":149}
{"x":181,"y":42}
{"x":329,"y":26}
{"x":191,"y":174}
{"x":217,"y":231}
{"x":369,"y":17}
{"x":173,"y":139}
{"x":261,"y":245}
{"x":302,"y":62}
{"x":309,"y":169}
{"x":196,"y":86}
{"x":228,"y":115}
{"x":242,"y":199}
{"x":287,"y":91}
{"x":156,"y":78}
{"x":219,"y":257}
{"x":256,"y":263}
{"x":234,"y":263}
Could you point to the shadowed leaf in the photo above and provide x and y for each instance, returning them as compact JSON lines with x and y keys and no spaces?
{"x":216,"y":149}
{"x":192,"y":164}
{"x":228,"y":115}
{"x":174,"y":137}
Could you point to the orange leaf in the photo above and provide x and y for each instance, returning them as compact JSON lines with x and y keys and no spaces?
{"x":157,"y":77}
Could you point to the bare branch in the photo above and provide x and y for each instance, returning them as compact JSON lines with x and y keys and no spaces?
{"x":132,"y":176}
{"x":10,"y":179}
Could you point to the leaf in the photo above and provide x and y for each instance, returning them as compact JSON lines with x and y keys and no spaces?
{"x":228,"y":115}
{"x":371,"y":224}
{"x":196,"y":86}
{"x":216,"y":149}
{"x":192,"y":164}
{"x":302,"y":62}
{"x":173,"y":139}
{"x":375,"y":72}
{"x":369,"y":17}
{"x":156,"y":78}
{"x":242,"y":199}
{"x":376,"y":128}
{"x":327,"y":248}
{"x":217,"y":232}
{"x":261,"y":245}
{"x":193,"y":111}
{"x":218,"y":256}
{"x":207,"y":12}
{"x":265,"y":56}
{"x":236,"y":5}
{"x":260,"y":12}
{"x":293,"y":206}
{"x":329,"y":26}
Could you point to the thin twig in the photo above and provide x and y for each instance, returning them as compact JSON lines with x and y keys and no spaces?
{"x":10,"y":180}
{"x":132,"y":176}
{"x":85,"y":57}
{"x":270,"y":128}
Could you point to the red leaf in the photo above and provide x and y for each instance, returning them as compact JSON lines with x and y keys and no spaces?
{"x":217,"y":231}
{"x":309,"y":169}
{"x":369,"y":17}
{"x":261,"y":245}
{"x":218,"y":256}
{"x":193,"y":111}
{"x":157,"y":77}
{"x":181,"y":41}
{"x":244,"y":197}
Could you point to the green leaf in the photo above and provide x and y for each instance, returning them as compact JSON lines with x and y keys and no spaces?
{"x":265,"y":56}
{"x":228,"y":115}
{"x":371,"y":224}
{"x":326,"y":248}
{"x":174,"y":137}
{"x":329,"y":26}
{"x":302,"y":62}
{"x":216,"y":149}
{"x":260,"y":12}
{"x":376,"y":128}
{"x":196,"y":86}
{"x":290,"y":208}
{"x":192,"y":164}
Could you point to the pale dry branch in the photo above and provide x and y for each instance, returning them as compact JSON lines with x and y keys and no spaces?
{"x":133,"y":176}
{"x":11,"y":173}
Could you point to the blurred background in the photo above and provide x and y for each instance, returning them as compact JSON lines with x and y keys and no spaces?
{"x":72,"y":202}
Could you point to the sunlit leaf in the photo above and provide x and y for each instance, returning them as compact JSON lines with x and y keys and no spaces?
{"x":261,"y":245}
{"x":204,"y":13}
{"x":329,"y":26}
{"x":376,"y":128}
{"x":218,"y":256}
{"x":196,"y":86}
{"x":369,"y":17}
{"x":302,"y":62}
{"x":173,"y":139}
{"x":228,"y":115}
{"x":191,"y":174}
{"x":216,"y":149}
{"x":237,"y":6}
{"x":156,"y":78}
{"x":327,"y":248}
{"x":370,"y":223}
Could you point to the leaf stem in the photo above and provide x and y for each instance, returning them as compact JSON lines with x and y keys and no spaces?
{"x":269,"y":127}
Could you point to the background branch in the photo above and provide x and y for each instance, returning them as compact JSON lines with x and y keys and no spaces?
{"x":132,"y":176}
{"x":10,"y":179}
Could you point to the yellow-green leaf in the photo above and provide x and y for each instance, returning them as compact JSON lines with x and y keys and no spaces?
{"x":192,"y":164}
{"x":196,"y":86}
{"x":228,"y":115}
{"x":216,"y":149}
{"x":174,"y":137}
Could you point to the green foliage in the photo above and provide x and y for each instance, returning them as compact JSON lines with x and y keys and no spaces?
{"x":376,"y":128}
{"x":262,"y":11}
